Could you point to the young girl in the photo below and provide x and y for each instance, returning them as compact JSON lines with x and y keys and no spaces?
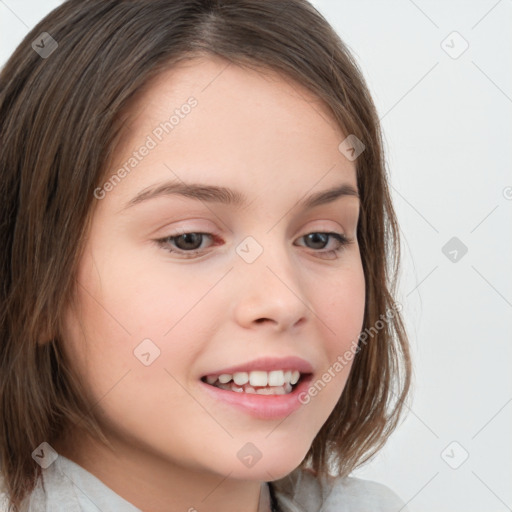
{"x":252,"y":369}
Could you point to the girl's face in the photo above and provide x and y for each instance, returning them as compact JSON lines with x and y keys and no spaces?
{"x":246,"y":284}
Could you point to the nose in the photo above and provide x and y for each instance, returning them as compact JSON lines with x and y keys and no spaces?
{"x":269,"y":291}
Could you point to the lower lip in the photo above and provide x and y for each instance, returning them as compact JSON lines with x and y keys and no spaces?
{"x":265,"y":407}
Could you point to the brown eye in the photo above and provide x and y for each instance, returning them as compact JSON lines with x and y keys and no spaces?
{"x":316,"y":239}
{"x":188,"y":241}
{"x":322,"y":239}
{"x":185,"y":244}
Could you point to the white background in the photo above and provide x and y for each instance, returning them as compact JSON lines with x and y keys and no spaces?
{"x":447,"y":126}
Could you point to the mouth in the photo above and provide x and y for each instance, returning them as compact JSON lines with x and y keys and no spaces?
{"x":258,"y":382}
{"x":266,"y":388}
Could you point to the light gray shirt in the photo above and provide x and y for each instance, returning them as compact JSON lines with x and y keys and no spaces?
{"x":69,"y":487}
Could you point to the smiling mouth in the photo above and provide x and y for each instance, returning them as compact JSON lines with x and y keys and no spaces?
{"x":278,"y":382}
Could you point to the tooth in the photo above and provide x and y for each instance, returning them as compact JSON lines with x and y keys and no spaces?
{"x":264,"y":391}
{"x":257,"y":378}
{"x":241,"y":378}
{"x":276,"y":378}
{"x":275,"y":390}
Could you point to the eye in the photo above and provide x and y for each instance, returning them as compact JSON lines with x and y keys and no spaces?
{"x":188,"y":245}
{"x":322,"y":238}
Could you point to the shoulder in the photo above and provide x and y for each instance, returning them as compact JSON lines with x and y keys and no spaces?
{"x":4,"y":502}
{"x":358,"y":495}
{"x":303,"y":491}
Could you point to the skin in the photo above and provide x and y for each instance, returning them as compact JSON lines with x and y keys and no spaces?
{"x":270,"y":138}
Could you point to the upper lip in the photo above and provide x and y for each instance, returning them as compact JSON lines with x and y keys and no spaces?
{"x":268,"y":364}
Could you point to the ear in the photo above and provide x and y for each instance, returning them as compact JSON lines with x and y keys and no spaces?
{"x":47,"y":334}
{"x":44,"y":341}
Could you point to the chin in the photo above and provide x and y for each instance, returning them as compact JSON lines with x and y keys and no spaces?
{"x":274,"y":466}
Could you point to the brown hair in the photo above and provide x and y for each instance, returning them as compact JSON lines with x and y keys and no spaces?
{"x":60,"y":119}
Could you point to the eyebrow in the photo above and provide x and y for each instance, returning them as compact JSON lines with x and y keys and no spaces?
{"x":227,"y":196}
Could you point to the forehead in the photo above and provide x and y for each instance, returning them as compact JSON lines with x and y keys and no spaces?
{"x":218,"y":82}
{"x":247,"y":125}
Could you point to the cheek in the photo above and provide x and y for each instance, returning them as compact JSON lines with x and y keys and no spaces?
{"x":340,"y":309}
{"x":117,"y":317}
{"x":120,"y":307}
{"x":147,"y":293}
{"x":341,"y":306}
{"x":124,"y":302}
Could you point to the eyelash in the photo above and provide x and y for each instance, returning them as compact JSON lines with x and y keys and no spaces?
{"x":341,"y":239}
